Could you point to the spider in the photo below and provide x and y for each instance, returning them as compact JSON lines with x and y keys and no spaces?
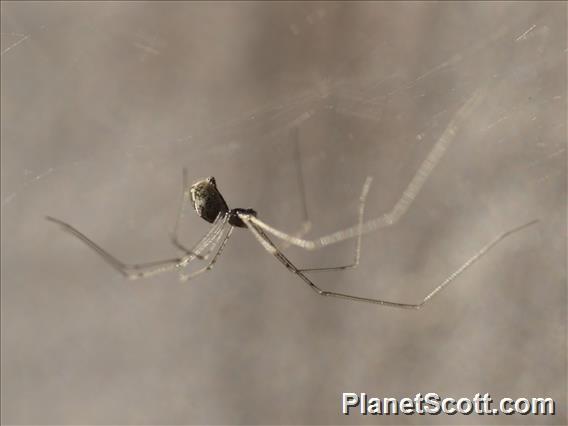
{"x":209,"y":204}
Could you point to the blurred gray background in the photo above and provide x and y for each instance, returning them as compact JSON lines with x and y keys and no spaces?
{"x":103,"y":104}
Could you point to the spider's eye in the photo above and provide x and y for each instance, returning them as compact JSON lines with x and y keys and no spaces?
{"x":211,"y":180}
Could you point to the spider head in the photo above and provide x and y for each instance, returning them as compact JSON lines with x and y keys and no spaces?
{"x":207,"y":200}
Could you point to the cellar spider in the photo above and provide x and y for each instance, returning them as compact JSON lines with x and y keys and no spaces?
{"x":210,"y":205}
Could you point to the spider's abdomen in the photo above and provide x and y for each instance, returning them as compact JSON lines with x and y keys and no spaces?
{"x":207,"y":200}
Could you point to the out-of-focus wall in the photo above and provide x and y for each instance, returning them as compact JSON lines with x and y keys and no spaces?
{"x":104,"y":103}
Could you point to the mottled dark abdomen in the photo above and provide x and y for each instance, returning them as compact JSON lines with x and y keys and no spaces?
{"x":208,"y":201}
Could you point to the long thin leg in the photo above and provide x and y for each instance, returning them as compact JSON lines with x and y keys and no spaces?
{"x":179,"y":216}
{"x":210,"y":248}
{"x":272,"y":249}
{"x":408,"y":196}
{"x":143,"y":270}
{"x":295,"y":135}
{"x":306,"y":223}
{"x":355,"y":263}
{"x":185,"y":277}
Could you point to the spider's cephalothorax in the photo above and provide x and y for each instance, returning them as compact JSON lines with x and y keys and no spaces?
{"x":235,"y":220}
{"x":209,"y":203}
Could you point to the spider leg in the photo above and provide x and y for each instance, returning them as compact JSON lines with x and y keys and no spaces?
{"x":143,"y":270}
{"x":269,"y":246}
{"x":179,"y":216}
{"x":405,"y":201}
{"x":214,"y":243}
{"x":215,"y":238}
{"x":306,"y":223}
{"x":186,"y":277}
{"x":355,"y":263}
